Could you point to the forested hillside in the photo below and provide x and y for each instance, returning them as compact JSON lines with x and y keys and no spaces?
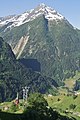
{"x":14,"y":76}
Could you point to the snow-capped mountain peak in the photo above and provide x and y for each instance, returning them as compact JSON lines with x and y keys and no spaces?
{"x":17,"y":20}
{"x":49,"y":12}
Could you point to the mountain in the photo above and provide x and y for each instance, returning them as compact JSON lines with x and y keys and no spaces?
{"x":44,"y":35}
{"x":14,"y":76}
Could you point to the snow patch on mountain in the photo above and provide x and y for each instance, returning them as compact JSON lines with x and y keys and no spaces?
{"x":42,"y":9}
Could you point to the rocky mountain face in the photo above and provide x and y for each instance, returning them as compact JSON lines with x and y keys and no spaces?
{"x":14,"y":76}
{"x":44,"y":35}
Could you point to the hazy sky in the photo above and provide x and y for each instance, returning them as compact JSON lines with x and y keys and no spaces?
{"x":68,"y":8}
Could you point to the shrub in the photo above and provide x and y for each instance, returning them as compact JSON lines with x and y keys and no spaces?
{"x":72,"y":106}
{"x":74,"y":96}
{"x":14,"y":107}
{"x":58,"y":99}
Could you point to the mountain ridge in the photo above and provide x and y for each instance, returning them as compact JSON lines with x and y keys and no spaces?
{"x":17,"y":20}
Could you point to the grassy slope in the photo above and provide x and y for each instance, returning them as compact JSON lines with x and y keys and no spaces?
{"x":71,"y":81}
{"x":61,"y":106}
{"x":64,"y":103}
